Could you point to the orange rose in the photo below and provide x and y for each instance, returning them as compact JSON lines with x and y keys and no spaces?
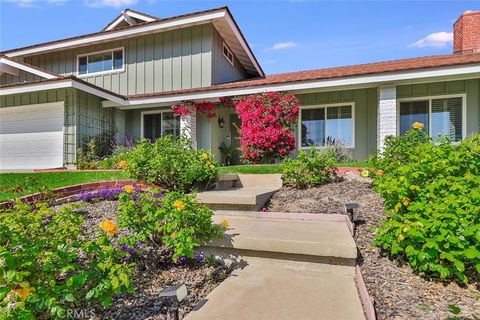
{"x":128,"y":189}
{"x":110,"y":227}
{"x":380,"y":173}
{"x":418,"y":125}
{"x":122,"y":164}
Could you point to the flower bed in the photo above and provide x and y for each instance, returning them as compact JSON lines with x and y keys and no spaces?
{"x":399,"y":293}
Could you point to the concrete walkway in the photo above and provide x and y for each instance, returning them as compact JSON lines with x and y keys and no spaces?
{"x":290,"y":266}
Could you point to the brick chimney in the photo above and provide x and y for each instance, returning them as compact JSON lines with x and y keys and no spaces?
{"x":466,"y":33}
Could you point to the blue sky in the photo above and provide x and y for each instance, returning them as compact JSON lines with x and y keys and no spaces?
{"x":284,"y":35}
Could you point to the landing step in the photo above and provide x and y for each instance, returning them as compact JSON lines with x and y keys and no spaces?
{"x":236,"y":198}
{"x":298,"y":237}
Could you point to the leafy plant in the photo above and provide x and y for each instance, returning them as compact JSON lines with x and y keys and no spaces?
{"x":432,"y":196}
{"x":172,"y":164}
{"x":113,"y":161}
{"x":339,"y":151}
{"x":47,"y":263}
{"x":309,"y":169}
{"x":174,"y":220}
{"x":228,"y":152}
{"x":94,"y":150}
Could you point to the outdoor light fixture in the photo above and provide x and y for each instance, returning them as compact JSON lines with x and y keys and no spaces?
{"x":349,"y":209}
{"x":178,"y":293}
{"x":221,"y":122}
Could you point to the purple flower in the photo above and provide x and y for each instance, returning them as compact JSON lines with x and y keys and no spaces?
{"x":182,"y":261}
{"x":109,"y":194}
{"x":158,"y":195}
{"x":199,"y":256}
{"x":85,"y":196}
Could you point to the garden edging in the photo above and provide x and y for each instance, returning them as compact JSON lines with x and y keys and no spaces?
{"x":71,"y":190}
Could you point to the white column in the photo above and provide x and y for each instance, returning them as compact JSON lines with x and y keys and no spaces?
{"x":188,"y":127}
{"x":386,"y":114}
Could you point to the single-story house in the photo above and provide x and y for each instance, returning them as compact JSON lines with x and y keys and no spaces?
{"x":55,"y":95}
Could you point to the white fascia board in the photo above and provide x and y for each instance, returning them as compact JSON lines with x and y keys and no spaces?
{"x":61,"y":84}
{"x":8,"y":69}
{"x":115,"y":23}
{"x":123,"y":33}
{"x":139,"y":16}
{"x":244,"y":44}
{"x":27,"y":69}
{"x":420,"y":75}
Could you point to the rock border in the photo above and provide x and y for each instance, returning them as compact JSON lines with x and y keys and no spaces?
{"x":71,"y":190}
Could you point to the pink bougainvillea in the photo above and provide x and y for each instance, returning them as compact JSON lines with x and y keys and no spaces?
{"x":188,"y":107}
{"x":267,"y":126}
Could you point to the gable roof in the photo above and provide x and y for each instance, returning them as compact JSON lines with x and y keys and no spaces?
{"x":221,"y":18}
{"x":6,"y":64}
{"x":123,"y":17}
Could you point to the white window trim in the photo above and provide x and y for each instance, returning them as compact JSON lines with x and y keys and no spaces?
{"x":143,"y":113}
{"x":429,"y":99}
{"x":100,"y":72}
{"x":325,"y":106}
{"x":230,"y":51}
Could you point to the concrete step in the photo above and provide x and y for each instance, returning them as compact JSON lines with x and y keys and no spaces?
{"x":274,"y":289}
{"x":298,"y":237}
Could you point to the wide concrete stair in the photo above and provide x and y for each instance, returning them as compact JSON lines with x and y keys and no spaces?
{"x":289,"y":266}
{"x":241,"y":191}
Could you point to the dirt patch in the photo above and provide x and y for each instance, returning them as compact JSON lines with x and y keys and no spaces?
{"x":398,"y":292}
{"x":154,"y":272}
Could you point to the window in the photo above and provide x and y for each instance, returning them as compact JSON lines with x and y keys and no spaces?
{"x":326,"y":125}
{"x":157,"y":124}
{"x":227,"y":54}
{"x":442,"y":117}
{"x":104,"y":61}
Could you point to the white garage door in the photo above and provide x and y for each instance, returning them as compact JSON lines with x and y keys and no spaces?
{"x":31,"y":136}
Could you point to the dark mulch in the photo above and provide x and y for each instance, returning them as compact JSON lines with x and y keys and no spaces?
{"x":154,"y":272}
{"x":398,"y":292}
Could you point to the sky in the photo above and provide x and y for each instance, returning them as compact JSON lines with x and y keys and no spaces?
{"x":284,"y":35}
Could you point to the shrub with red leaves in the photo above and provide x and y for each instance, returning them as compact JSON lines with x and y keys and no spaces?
{"x":267,"y":126}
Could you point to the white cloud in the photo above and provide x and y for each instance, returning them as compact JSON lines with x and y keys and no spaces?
{"x":437,"y":40}
{"x":111,"y":3}
{"x":284,"y":45}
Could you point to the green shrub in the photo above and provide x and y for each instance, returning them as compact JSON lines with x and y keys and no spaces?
{"x":48,"y":265}
{"x":172,"y":164}
{"x":432,"y":196}
{"x":309,"y":169}
{"x":174,"y":220}
{"x":339,"y":151}
{"x":120,"y":153}
{"x":93,"y":150}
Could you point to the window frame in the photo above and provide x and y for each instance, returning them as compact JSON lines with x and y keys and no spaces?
{"x":142,"y":122}
{"x":229,"y":51}
{"x":325,"y":107}
{"x":429,"y":99}
{"x":101,"y":72}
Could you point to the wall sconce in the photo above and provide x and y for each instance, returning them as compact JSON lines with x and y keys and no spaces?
{"x":221,"y":122}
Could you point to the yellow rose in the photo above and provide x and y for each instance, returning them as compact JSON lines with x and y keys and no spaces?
{"x":110,"y":227}
{"x":122,"y":164}
{"x":365,"y":173}
{"x":22,"y":293}
{"x":417,"y":125}
{"x":205,"y":156}
{"x":179,"y":205}
{"x":224,"y":223}
{"x":406,"y":201}
{"x":128,"y":189}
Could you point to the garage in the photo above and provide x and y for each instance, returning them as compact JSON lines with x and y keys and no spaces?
{"x":31,"y":136}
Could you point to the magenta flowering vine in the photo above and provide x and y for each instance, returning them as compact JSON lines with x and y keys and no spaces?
{"x":189,"y":107}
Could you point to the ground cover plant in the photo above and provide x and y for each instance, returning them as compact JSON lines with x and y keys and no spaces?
{"x":172,"y":163}
{"x":432,"y":197}
{"x":19,"y":184}
{"x":309,"y":169}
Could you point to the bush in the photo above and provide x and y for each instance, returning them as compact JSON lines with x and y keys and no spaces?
{"x":172,"y":164}
{"x":94,"y":150}
{"x":48,"y":265}
{"x":432,"y":196}
{"x":174,"y":220}
{"x":309,"y":169}
{"x":339,"y":151}
{"x":119,"y":154}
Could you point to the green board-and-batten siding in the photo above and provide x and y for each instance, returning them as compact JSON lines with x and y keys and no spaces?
{"x":222,"y":70}
{"x":171,"y":60}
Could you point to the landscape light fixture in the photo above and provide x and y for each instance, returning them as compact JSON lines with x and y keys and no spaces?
{"x":349,"y":209}
{"x":177,"y":293}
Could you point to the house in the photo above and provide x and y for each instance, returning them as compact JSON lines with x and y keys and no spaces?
{"x":124,"y":78}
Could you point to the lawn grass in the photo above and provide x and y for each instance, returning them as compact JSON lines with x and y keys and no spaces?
{"x":274,"y":168}
{"x":14,"y":185}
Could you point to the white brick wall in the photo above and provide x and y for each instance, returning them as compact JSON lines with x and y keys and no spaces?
{"x":386,"y":114}
{"x":188,"y":127}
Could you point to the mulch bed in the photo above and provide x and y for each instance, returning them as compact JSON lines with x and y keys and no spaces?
{"x":154,"y":272}
{"x":399,"y":293}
